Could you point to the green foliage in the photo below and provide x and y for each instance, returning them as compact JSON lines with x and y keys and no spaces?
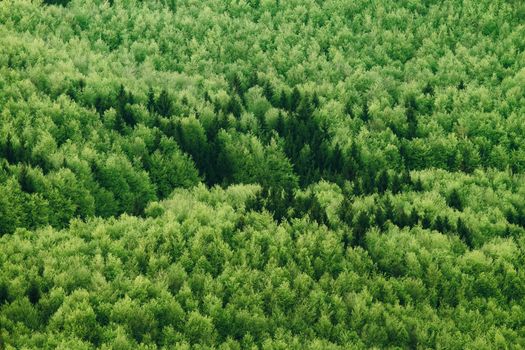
{"x":262,"y":174}
{"x":218,"y":273}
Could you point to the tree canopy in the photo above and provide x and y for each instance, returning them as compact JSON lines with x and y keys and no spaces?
{"x":262,"y":174}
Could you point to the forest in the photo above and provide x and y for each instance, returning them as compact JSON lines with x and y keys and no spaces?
{"x":262,"y":174}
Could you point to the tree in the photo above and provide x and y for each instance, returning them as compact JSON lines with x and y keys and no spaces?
{"x":25,"y":179}
{"x":365,"y":114}
{"x":57,"y":2}
{"x":284,"y":102}
{"x":396,"y":183}
{"x":464,"y":233}
{"x":380,"y":217}
{"x":295,"y":99}
{"x":199,"y":329}
{"x":236,"y":85}
{"x":280,"y":126}
{"x":33,"y":292}
{"x":277,"y":171}
{"x":234,"y":106}
{"x":360,"y":228}
{"x":164,"y":105}
{"x":150,"y":103}
{"x":454,"y":200}
{"x":411,"y":108}
{"x":428,"y":89}
{"x":426,"y":222}
{"x":170,"y":169}
{"x":11,"y":209}
{"x":9,"y":150}
{"x":268,"y":91}
{"x":414,"y":217}
{"x":418,"y":185}
{"x":337,"y":162}
{"x":442,"y":224}
{"x":382,"y":181}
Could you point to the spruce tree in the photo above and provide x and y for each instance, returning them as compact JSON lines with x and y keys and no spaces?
{"x":25,"y":180}
{"x":280,"y":126}
{"x":382,"y":181}
{"x":411,"y":118}
{"x":361,"y":226}
{"x":284,"y":102}
{"x":464,"y":232}
{"x":33,"y":292}
{"x":454,"y":200}
{"x":414,"y":218}
{"x":164,"y":105}
{"x":150,"y":104}
{"x":295,"y":99}
{"x":365,"y":115}
{"x":9,"y":150}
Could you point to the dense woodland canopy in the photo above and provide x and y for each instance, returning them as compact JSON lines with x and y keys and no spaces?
{"x":262,"y":174}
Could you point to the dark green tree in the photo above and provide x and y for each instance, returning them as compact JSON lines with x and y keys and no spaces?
{"x":295,"y":99}
{"x":365,"y":115}
{"x":150,"y":103}
{"x":411,"y":108}
{"x":382,"y":181}
{"x":9,"y":150}
{"x":33,"y":292}
{"x":360,"y":228}
{"x":464,"y":233}
{"x":164,"y":105}
{"x":25,"y":179}
{"x":454,"y":200}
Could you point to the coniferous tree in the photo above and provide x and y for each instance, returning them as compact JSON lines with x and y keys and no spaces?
{"x":150,"y":103}
{"x":121,"y":102}
{"x":164,"y":105}
{"x":284,"y":101}
{"x":426,"y":222}
{"x":382,"y":181}
{"x":411,"y":117}
{"x":388,"y":207}
{"x":402,"y":219}
{"x":295,"y":99}
{"x":4,"y":292}
{"x":315,"y":100}
{"x":234,"y":106}
{"x":304,"y":109}
{"x":25,"y":180}
{"x":396,"y":183}
{"x":99,"y":105}
{"x":418,"y":185}
{"x":454,"y":200}
{"x":337,"y":159}
{"x":344,"y":211}
{"x":9,"y":150}
{"x":380,"y":217}
{"x":33,"y":292}
{"x":361,"y":226}
{"x":268,"y":91}
{"x":428,"y":89}
{"x":236,"y":85}
{"x":464,"y":232}
{"x":280,"y":126}
{"x":414,"y":217}
{"x":365,"y":116}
